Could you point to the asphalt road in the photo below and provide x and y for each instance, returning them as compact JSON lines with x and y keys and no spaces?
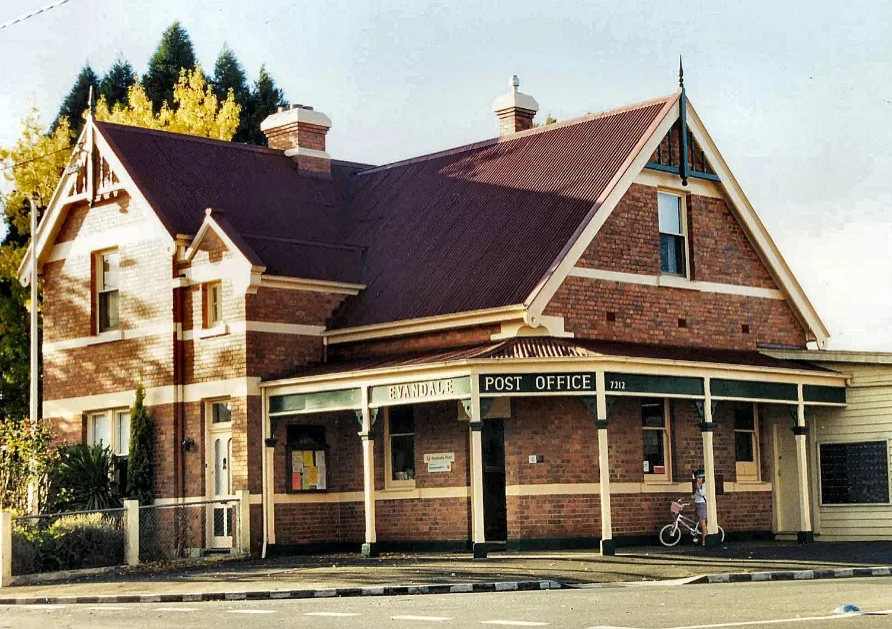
{"x":755,"y":605}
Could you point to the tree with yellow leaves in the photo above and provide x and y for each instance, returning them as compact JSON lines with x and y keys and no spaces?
{"x":196,"y":111}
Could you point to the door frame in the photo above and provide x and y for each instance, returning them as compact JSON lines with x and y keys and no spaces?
{"x":214,"y":542}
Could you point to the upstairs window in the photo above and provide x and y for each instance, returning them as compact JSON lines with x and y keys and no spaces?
{"x":213,"y":305}
{"x":673,"y":239}
{"x":107,"y":280}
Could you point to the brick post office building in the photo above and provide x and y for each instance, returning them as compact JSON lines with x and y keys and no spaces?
{"x":530,"y":340}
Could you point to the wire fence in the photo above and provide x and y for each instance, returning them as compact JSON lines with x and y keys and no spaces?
{"x":187,"y":530}
{"x":68,"y":541}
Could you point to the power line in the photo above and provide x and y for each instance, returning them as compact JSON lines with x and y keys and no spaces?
{"x":28,"y":16}
{"x":34,"y":159}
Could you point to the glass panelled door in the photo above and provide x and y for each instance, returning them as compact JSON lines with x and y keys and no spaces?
{"x":219,"y":480}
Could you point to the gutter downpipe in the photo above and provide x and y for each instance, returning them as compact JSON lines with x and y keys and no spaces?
{"x":264,"y":489}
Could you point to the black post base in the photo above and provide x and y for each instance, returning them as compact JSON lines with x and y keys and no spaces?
{"x":369,"y":549}
{"x":479,"y":550}
{"x":608,"y":548}
{"x":714,"y":540}
{"x":805,"y":537}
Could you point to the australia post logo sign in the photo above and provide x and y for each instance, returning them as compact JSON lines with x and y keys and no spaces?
{"x":537,"y":383}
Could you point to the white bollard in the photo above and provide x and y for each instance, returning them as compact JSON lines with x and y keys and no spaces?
{"x":244,"y":521}
{"x":131,"y":532}
{"x":5,"y":548}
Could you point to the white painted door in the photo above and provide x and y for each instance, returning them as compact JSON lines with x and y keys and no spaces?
{"x":786,"y":477}
{"x":219,"y":484}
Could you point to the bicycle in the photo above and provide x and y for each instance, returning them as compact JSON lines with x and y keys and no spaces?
{"x":670,"y":534}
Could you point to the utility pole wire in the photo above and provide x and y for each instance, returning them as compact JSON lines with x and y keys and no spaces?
{"x":33,"y":13}
{"x":34,"y":159}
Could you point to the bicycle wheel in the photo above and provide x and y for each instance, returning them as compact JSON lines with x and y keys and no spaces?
{"x":722,"y":533}
{"x":670,"y":535}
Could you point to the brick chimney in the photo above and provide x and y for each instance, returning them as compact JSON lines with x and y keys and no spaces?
{"x":515,"y":110}
{"x":300,"y":132}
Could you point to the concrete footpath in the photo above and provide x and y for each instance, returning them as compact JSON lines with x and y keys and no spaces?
{"x":394,"y":574}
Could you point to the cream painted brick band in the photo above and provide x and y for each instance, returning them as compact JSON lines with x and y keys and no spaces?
{"x":235,"y":387}
{"x":676,"y":282}
{"x":391,"y":494}
{"x":584,"y":489}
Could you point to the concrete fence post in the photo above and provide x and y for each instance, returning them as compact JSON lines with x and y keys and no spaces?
{"x":131,"y":532}
{"x":5,"y":548}
{"x":244,"y":521}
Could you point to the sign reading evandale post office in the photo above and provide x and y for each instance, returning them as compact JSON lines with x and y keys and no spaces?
{"x":584,"y":383}
{"x":541,"y":383}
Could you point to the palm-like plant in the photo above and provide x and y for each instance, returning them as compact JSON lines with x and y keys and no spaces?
{"x":82,"y":480}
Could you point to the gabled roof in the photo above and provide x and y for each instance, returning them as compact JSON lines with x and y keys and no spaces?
{"x":486,"y":229}
{"x":293,"y":222}
{"x":478,"y":227}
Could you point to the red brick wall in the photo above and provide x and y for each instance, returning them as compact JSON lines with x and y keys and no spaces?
{"x":720,"y":252}
{"x":650,"y":314}
{"x":563,"y":431}
{"x":437,"y":429}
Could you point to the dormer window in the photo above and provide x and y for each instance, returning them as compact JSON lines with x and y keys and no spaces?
{"x":107,"y":280}
{"x":673,"y":236}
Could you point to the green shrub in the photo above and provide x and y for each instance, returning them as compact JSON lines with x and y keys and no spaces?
{"x":82,"y":479}
{"x":71,"y":542}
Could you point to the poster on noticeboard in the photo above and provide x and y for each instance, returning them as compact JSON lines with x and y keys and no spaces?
{"x":308,"y":471}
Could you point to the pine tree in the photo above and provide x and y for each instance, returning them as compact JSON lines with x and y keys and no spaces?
{"x":229,"y":75}
{"x":265,"y":99}
{"x":116,"y":82}
{"x":77,"y":101}
{"x":139,"y":461}
{"x":173,"y":54}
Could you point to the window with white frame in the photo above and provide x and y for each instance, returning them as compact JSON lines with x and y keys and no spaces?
{"x":220,"y":411}
{"x":400,"y":444}
{"x":107,"y":290}
{"x":746,"y":441}
{"x":111,"y":429}
{"x":655,"y":436}
{"x":673,"y":236}
{"x":213,"y":304}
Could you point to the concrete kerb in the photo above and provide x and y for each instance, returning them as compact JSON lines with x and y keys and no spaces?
{"x":446,"y":588}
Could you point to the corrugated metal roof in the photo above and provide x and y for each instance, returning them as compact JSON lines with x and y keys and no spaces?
{"x":479,"y":227}
{"x":532,"y":348}
{"x":469,"y":229}
{"x":258,"y":189}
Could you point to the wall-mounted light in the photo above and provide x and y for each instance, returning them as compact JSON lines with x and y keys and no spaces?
{"x":188,"y":444}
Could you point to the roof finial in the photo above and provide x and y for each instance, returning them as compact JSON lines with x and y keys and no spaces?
{"x":680,"y":73}
{"x":515,"y":83}
{"x":91,"y":104}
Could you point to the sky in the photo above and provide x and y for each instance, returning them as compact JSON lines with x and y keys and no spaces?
{"x":796,"y":95}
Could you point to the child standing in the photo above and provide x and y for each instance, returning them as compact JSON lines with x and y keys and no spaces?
{"x":699,"y":497}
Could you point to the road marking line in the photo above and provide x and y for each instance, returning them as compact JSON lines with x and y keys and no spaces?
{"x":421,"y":618}
{"x":175,"y":609}
{"x":609,"y":627}
{"x":774,"y":621}
{"x":251,"y":611}
{"x":515,"y":623}
{"x":331,"y":614}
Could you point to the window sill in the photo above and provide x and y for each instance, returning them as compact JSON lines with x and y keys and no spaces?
{"x":221,"y":329}
{"x":395,"y":489}
{"x":109,"y":336}
{"x":675,"y":280}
